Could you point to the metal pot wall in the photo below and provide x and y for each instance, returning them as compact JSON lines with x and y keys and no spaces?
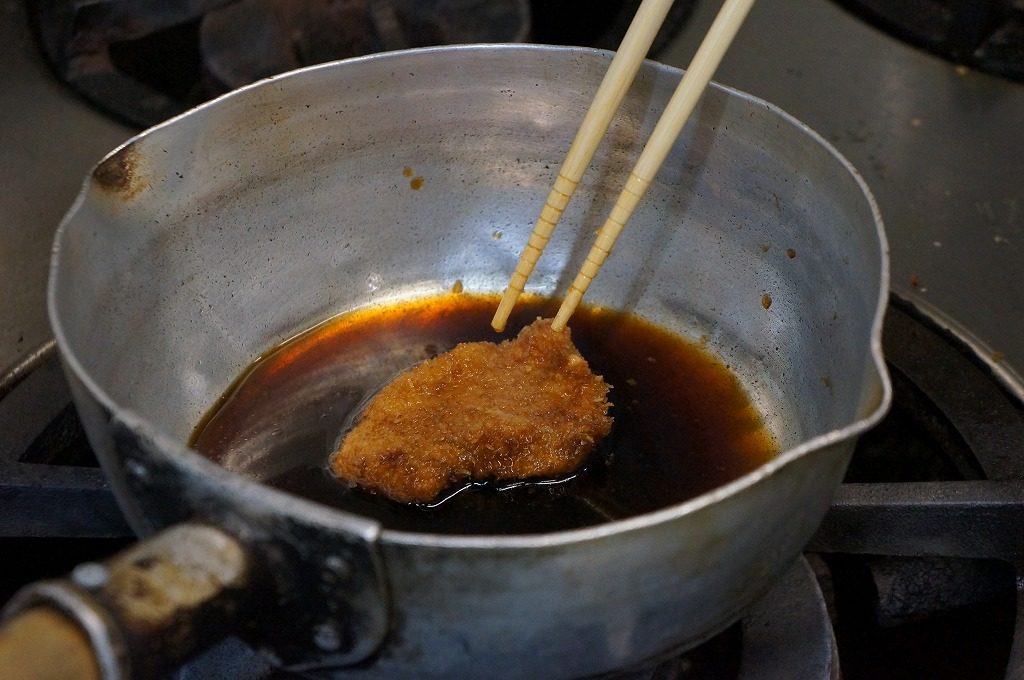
{"x":208,"y":239}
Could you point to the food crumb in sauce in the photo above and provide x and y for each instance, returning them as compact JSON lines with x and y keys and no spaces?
{"x":766,"y":300}
{"x":496,"y":235}
{"x":764,"y":247}
{"x":997,"y":357}
{"x":457,"y":286}
{"x":407,"y":171}
{"x":790,"y":253}
{"x":416,"y":183}
{"x":915,"y":280}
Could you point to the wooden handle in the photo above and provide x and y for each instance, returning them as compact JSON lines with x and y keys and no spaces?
{"x":43,"y":644}
{"x":680,"y":106}
{"x":637,"y":41}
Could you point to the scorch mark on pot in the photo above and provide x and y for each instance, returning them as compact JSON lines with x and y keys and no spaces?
{"x":118,"y":173}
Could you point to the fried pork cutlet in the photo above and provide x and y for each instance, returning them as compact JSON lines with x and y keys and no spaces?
{"x":525,"y":408}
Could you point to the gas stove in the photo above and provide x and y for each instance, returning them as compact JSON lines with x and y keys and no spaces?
{"x":918,"y":569}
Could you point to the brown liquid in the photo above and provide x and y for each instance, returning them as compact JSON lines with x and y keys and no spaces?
{"x":683,"y":424}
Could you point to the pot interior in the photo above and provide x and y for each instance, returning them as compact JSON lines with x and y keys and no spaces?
{"x":209,"y":239}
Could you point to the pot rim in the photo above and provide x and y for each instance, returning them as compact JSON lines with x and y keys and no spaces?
{"x":279,"y":501}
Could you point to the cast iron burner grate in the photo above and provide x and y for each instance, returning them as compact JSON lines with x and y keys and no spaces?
{"x":987,"y":35}
{"x":144,"y":62}
{"x":917,"y":570}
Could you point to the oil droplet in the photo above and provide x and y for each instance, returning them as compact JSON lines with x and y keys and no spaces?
{"x":457,"y":287}
{"x":766,"y":300}
{"x":407,"y":171}
{"x":790,"y":253}
{"x":416,"y":183}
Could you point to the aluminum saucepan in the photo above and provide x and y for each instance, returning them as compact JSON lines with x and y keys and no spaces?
{"x":208,"y":239}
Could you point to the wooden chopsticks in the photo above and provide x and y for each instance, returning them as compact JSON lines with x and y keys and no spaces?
{"x":617,"y":79}
{"x":620,"y":74}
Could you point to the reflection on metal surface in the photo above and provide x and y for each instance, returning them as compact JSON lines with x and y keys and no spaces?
{"x":787,"y":634}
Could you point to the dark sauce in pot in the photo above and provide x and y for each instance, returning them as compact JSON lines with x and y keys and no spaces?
{"x":683,"y":423}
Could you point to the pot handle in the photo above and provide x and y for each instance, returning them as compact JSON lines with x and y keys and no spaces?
{"x":43,"y":644}
{"x":141,"y":612}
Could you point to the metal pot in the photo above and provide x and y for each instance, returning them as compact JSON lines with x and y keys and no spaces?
{"x":204,"y":241}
